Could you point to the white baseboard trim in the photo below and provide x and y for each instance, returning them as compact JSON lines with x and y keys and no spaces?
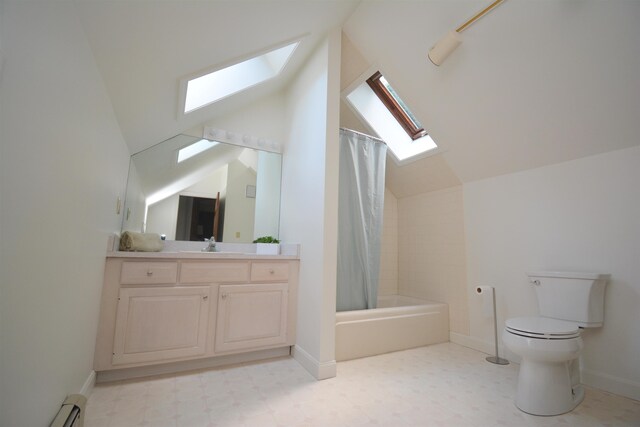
{"x":471,"y":342}
{"x":615,"y":385}
{"x":88,"y":385}
{"x":483,"y":346}
{"x":320,"y":371}
{"x":190,"y":365}
{"x":609,"y":383}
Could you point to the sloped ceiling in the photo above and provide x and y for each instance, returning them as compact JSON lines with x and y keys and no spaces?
{"x":533,"y":83}
{"x":422,"y":176}
{"x":143,"y":49}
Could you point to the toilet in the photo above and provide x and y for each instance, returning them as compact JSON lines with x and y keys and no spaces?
{"x":549,"y":345}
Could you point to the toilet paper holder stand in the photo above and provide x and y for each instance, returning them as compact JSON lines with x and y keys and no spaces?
{"x":494,"y":359}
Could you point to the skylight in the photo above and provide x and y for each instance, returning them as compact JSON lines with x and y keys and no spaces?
{"x":195,"y":149}
{"x":211,"y":87}
{"x":405,"y":138}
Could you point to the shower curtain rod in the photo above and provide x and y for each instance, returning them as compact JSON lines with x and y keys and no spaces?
{"x":364,"y":134}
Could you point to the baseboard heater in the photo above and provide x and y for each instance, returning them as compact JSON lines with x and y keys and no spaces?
{"x":71,"y":414}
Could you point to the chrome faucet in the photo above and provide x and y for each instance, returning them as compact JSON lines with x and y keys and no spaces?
{"x":211,"y":245}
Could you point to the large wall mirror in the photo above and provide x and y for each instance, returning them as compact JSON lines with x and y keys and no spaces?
{"x":190,"y":188}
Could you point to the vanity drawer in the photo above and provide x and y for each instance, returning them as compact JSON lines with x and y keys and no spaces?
{"x":142,"y":273}
{"x":218,"y":272}
{"x":269,"y":271}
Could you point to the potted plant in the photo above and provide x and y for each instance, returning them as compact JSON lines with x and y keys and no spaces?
{"x":267,"y":245}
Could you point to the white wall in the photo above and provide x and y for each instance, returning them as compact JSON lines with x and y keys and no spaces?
{"x":389,"y":248}
{"x":582,"y":215}
{"x":63,"y":163}
{"x":209,"y":186}
{"x":431,"y":246}
{"x":309,"y":201}
{"x":162,"y":217}
{"x":239,"y":209}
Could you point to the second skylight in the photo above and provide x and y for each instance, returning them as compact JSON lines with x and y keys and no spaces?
{"x":211,"y":87}
{"x":195,"y":149}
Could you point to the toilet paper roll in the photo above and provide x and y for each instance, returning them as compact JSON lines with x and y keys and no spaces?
{"x":486,"y":292}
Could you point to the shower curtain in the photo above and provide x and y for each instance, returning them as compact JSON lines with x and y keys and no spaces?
{"x":360,"y":205}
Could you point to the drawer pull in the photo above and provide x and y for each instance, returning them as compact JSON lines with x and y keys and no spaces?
{"x":204,"y":298}
{"x":149,"y":273}
{"x":271,"y":271}
{"x":223,"y":296}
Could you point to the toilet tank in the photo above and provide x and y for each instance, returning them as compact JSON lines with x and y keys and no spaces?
{"x":577,"y":297}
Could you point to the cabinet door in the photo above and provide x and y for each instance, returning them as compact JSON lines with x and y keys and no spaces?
{"x":251,"y":316}
{"x":155,"y":324}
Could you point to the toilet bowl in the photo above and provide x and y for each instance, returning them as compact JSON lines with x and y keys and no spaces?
{"x":548,"y":381}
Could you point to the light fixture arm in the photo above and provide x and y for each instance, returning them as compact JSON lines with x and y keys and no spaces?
{"x":443,"y":48}
{"x":478,"y":15}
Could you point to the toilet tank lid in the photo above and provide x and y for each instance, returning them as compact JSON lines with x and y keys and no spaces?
{"x":569,"y":275}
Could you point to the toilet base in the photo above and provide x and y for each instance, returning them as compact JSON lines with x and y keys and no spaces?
{"x":546,"y":388}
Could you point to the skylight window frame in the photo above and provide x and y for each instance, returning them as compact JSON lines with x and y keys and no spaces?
{"x":401,"y":151}
{"x":394,"y":107}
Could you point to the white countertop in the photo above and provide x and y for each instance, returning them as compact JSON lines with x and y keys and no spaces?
{"x":198,"y":255}
{"x":192,"y":250}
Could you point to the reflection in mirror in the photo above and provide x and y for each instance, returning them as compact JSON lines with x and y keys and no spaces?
{"x":190,"y":188}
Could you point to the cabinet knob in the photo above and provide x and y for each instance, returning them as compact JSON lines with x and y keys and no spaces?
{"x":149,"y":273}
{"x":271,"y":271}
{"x":206,"y":297}
{"x":223,"y":296}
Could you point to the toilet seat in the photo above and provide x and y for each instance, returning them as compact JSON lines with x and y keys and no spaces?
{"x":542,"y":328}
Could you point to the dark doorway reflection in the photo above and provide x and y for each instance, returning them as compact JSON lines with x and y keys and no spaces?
{"x":197,"y":219}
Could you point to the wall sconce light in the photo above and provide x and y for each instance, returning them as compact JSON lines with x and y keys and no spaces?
{"x":447,"y":44}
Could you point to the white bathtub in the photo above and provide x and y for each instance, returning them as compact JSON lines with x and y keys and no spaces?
{"x":398,"y":323}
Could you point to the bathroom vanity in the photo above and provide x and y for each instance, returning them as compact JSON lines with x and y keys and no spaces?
{"x":178,"y":306}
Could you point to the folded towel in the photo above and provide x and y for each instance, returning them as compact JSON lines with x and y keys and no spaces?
{"x":142,"y":242}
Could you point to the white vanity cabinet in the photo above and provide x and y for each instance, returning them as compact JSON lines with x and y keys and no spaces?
{"x":157,"y":309}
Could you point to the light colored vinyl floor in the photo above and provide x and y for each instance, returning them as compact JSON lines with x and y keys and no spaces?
{"x":439,"y":385}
